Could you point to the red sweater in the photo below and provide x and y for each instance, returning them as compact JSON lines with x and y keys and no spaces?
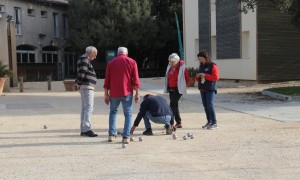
{"x":121,"y":76}
{"x":214,"y":76}
{"x":173,"y":75}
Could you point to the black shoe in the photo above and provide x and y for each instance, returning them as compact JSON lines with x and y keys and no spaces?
{"x":89,"y":134}
{"x":148,"y":132}
{"x":213,"y":126}
{"x":206,"y":125}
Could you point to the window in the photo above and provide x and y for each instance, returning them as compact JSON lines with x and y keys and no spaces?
{"x":31,"y":12}
{"x":25,"y":56}
{"x":213,"y":47}
{"x":43,"y":14}
{"x":2,"y":8}
{"x":245,"y":44}
{"x":18,"y":21}
{"x":50,"y":57}
{"x":56,"y":25}
{"x":66,"y":26}
{"x":70,"y":64}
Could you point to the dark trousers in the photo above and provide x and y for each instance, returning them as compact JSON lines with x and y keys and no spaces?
{"x":174,"y":98}
{"x":208,"y":103}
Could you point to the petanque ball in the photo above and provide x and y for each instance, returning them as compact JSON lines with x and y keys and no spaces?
{"x":140,"y":138}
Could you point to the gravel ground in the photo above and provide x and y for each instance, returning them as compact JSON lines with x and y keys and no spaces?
{"x":244,"y":147}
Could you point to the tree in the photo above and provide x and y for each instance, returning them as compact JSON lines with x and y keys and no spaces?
{"x":288,"y":6}
{"x":144,"y":26}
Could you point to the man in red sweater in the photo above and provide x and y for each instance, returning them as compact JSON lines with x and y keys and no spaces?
{"x":121,"y":78}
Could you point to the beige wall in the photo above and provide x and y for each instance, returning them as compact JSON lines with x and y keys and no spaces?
{"x":190,"y":32}
{"x":244,"y":68}
{"x":32,"y":26}
{"x":4,"y":47}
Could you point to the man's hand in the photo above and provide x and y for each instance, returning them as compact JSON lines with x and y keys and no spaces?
{"x":75,"y":87}
{"x":136,"y":98}
{"x":132,"y":130}
{"x":106,"y":99}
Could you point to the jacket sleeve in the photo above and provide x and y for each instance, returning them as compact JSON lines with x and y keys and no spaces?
{"x":83,"y":67}
{"x":107,"y":78}
{"x":140,"y":115}
{"x":135,"y":76}
{"x":186,"y":76}
{"x":214,"y":76}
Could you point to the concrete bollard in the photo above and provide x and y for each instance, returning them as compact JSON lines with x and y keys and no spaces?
{"x":49,"y":83}
{"x":21,"y":84}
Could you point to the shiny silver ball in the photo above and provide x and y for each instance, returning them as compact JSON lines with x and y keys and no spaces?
{"x":124,"y":145}
{"x":140,"y":138}
{"x":45,"y":127}
{"x":188,"y":134}
{"x":174,"y":136}
{"x":184,"y":137}
{"x":131,"y":138}
{"x":192,"y":136}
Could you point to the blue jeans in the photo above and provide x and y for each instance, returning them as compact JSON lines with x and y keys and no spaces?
{"x":159,"y":120}
{"x":208,"y":103}
{"x":127,"y":109}
{"x":87,"y":105}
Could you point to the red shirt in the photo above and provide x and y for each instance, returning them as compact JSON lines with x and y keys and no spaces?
{"x":173,"y":75}
{"x":214,"y":76}
{"x":121,"y":76}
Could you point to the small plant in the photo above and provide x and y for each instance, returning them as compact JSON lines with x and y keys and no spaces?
{"x":192,"y":71}
{"x":4,"y":72}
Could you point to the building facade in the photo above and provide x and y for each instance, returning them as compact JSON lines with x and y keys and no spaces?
{"x":42,"y":32}
{"x":261,"y":45}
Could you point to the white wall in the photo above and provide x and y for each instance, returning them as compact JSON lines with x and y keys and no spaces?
{"x":244,"y":68}
{"x":190,"y":32}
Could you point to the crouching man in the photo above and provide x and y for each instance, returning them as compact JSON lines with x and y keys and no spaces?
{"x":156,"y":109}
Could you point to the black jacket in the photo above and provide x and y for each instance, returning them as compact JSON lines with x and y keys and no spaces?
{"x":156,"y":105}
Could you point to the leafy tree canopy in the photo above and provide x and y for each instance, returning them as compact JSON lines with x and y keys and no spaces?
{"x":289,"y":6}
{"x":146,"y":27}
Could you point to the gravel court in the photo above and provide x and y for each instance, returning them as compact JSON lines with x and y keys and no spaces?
{"x":244,"y":147}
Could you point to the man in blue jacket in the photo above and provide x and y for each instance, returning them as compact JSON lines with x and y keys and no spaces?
{"x":156,"y":109}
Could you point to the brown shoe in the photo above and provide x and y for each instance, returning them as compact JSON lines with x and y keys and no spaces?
{"x":178,"y":126}
{"x":111,"y":138}
{"x":125,"y":140}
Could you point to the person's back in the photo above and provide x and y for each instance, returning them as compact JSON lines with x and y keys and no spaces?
{"x":122,"y":73}
{"x":157,"y":106}
{"x":121,"y":78}
{"x":156,"y":109}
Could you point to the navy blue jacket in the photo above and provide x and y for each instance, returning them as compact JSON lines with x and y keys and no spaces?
{"x":208,"y":85}
{"x":156,"y":105}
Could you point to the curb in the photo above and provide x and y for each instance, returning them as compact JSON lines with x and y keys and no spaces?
{"x":277,"y":96}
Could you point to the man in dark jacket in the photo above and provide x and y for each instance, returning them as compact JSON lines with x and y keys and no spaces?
{"x":156,"y":109}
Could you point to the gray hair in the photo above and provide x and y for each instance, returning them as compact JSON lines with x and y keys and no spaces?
{"x":122,"y":50}
{"x":90,"y":49}
{"x":174,"y":57}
